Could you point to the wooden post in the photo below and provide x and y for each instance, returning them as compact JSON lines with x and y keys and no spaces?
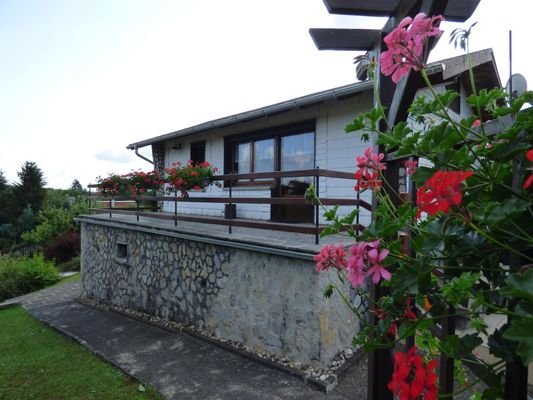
{"x":230,"y":208}
{"x":317,"y":188}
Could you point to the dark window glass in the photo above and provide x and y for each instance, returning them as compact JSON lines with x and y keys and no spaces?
{"x":198,"y":152}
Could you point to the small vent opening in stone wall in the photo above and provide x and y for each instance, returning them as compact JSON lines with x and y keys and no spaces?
{"x":122,"y":250}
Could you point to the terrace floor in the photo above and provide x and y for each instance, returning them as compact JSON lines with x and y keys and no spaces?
{"x":302,"y":245}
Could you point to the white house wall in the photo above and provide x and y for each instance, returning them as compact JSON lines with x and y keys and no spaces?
{"x":335,"y":150}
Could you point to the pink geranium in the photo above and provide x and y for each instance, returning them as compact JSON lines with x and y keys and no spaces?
{"x":410,"y":167}
{"x":377,"y":271}
{"x":331,"y":256}
{"x":368,"y":175}
{"x":406,"y":45}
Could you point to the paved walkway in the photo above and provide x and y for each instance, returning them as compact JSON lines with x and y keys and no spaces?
{"x":178,"y":365}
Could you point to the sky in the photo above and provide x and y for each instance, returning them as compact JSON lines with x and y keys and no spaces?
{"x":82,"y":79}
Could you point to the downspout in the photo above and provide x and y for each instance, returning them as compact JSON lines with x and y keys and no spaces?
{"x":141,"y":156}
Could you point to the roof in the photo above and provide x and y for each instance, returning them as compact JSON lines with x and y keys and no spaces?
{"x":274,"y":109}
{"x":482,"y":60}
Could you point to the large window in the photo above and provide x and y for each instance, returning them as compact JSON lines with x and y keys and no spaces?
{"x":280,"y":149}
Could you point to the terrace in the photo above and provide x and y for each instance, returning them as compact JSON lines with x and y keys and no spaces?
{"x":295,"y":237}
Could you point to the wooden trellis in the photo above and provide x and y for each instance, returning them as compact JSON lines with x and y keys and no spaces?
{"x":396,"y":99}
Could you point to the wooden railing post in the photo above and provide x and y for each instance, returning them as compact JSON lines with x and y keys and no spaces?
{"x":176,"y":207}
{"x":317,"y":188}
{"x":230,"y":207}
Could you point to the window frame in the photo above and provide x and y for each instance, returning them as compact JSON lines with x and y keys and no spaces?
{"x":276,"y":133}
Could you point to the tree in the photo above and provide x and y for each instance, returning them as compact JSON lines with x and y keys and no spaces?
{"x":76,"y":186}
{"x":30,"y":190}
{"x":3,"y":181}
{"x":6,"y":201}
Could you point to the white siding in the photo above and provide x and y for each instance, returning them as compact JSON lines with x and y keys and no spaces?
{"x":335,"y":150}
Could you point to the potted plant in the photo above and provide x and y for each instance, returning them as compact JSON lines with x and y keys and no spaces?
{"x":191,"y":176}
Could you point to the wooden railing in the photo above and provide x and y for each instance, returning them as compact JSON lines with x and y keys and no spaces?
{"x":230,"y":181}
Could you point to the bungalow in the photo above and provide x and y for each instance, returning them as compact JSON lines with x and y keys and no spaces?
{"x":256,"y":287}
{"x":298,"y":134}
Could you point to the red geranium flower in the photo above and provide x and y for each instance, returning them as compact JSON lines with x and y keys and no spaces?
{"x":441,"y":192}
{"x":412,"y":378}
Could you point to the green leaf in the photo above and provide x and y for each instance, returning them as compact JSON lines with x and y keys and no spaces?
{"x":479,"y":325}
{"x":455,"y":346}
{"x":519,"y":286}
{"x":328,"y":291}
{"x":141,"y":388}
{"x":501,"y":347}
{"x":520,"y":331}
{"x":460,"y":288}
{"x":348,"y":219}
{"x":502,"y":211}
{"x":331,"y":213}
{"x":356,"y":125}
{"x":330,"y":230}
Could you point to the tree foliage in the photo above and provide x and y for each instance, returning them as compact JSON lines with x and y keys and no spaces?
{"x":30,"y":188}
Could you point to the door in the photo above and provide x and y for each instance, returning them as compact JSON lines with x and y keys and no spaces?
{"x":297,"y":152}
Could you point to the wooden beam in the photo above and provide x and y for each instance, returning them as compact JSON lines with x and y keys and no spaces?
{"x":457,"y":10}
{"x":344,"y":39}
{"x":372,"y":8}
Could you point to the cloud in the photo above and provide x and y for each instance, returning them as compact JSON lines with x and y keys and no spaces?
{"x":120,"y":157}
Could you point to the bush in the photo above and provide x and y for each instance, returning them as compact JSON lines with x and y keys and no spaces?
{"x":19,"y":276}
{"x":64,"y":247}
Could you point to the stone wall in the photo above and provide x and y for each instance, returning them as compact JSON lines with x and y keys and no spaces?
{"x":271,"y":302}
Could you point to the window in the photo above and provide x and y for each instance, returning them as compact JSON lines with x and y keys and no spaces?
{"x":198,"y":152}
{"x":285,"y":149}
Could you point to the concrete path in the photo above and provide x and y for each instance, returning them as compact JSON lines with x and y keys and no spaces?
{"x":178,"y":365}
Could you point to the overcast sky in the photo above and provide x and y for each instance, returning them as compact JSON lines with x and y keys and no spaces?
{"x":81,"y":79}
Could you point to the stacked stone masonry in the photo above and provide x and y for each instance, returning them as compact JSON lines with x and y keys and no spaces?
{"x":271,"y":302}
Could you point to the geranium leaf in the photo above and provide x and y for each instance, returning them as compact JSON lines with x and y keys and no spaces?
{"x":520,"y":331}
{"x":519,"y":286}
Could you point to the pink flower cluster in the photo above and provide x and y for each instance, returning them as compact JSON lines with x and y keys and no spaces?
{"x":406,"y":45}
{"x":331,"y":256}
{"x":367,"y":175}
{"x":365,"y":260}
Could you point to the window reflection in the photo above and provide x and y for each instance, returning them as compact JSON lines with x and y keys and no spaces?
{"x":297,"y":152}
{"x":264,"y":156}
{"x":243,"y":159}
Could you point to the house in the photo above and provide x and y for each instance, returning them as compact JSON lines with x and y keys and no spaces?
{"x":257,"y":287}
{"x":298,"y":134}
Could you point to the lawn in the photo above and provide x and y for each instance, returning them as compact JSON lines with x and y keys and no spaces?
{"x":68,"y":279}
{"x":38,"y":363}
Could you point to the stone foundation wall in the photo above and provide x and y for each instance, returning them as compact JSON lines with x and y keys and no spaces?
{"x":268,"y":301}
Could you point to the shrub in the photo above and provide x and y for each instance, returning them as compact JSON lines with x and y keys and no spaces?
{"x":19,"y":276}
{"x":64,"y":247}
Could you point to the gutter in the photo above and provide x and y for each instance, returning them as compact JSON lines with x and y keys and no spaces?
{"x":141,"y":156}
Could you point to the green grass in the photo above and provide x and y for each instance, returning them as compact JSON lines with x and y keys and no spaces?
{"x":68,"y":279}
{"x":39,"y":363}
{"x":71,"y":265}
